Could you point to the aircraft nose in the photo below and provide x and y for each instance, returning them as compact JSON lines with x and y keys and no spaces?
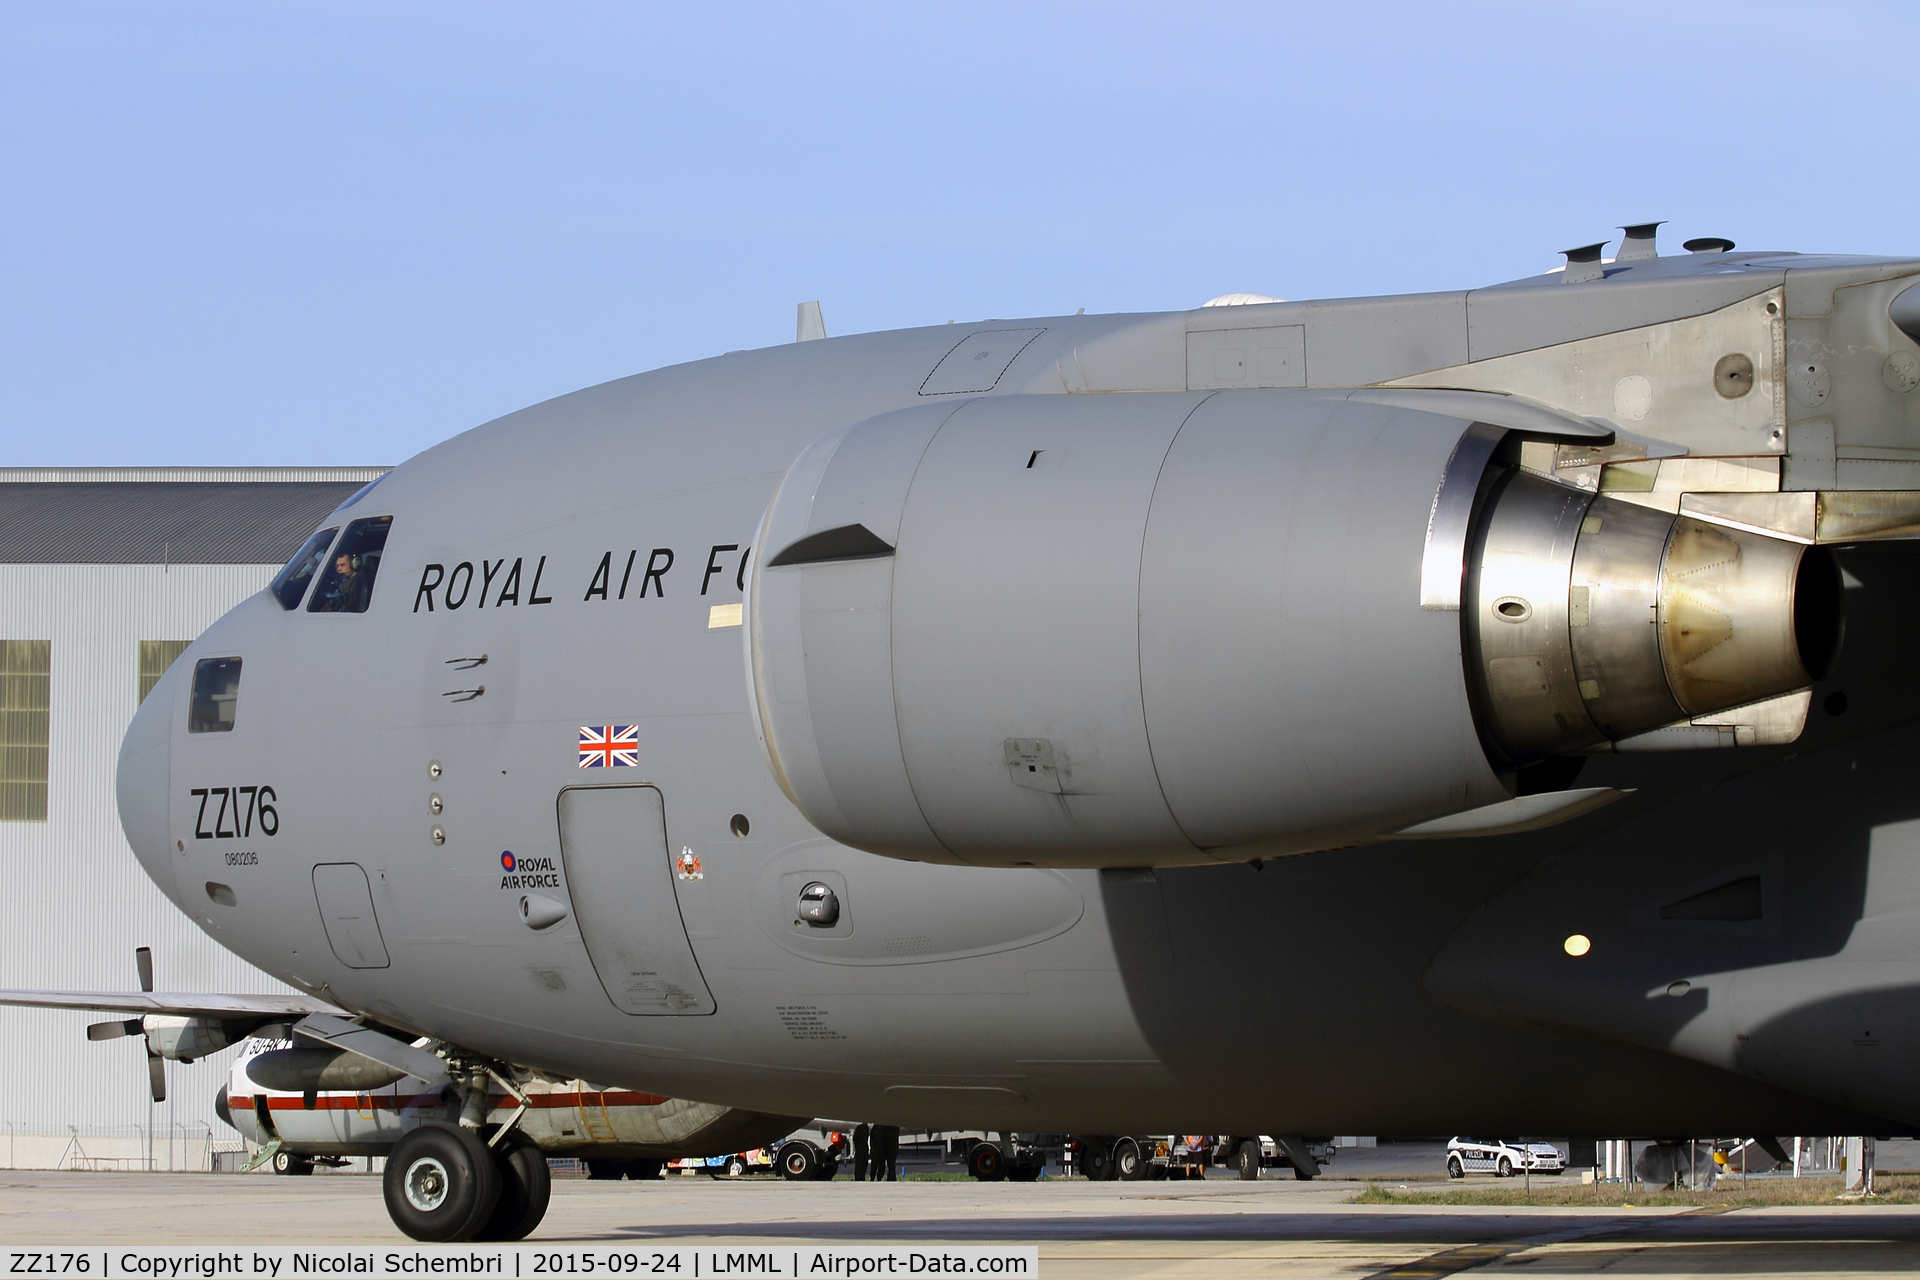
{"x":143,"y":781}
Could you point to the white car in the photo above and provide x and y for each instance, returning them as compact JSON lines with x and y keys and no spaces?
{"x":1502,"y":1157}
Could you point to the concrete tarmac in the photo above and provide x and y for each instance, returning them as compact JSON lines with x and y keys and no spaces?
{"x":1217,"y":1228}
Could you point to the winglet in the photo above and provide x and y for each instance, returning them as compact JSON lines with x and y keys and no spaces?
{"x":810,"y":325}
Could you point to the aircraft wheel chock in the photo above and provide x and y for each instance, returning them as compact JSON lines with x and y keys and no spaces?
{"x":441,"y":1183}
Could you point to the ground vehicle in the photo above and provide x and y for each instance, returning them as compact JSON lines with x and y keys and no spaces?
{"x":1248,"y":1155}
{"x":799,"y":1158}
{"x":1137,"y":1157}
{"x":737,"y":1165}
{"x":1502,"y":1157}
{"x":1012,"y":1157}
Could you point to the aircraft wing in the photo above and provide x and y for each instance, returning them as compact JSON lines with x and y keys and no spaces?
{"x":191,"y":1004}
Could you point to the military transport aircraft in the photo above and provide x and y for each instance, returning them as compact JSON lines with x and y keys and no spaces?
{"x":1413,"y":714}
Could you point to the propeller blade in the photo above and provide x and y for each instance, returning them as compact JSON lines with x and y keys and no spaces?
{"x":157,"y":1076}
{"x":143,"y":961}
{"x":114,"y":1030}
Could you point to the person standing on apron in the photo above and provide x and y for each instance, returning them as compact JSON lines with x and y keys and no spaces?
{"x":886,"y":1152}
{"x":862,"y":1135}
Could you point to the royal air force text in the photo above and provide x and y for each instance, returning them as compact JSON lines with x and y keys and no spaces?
{"x":494,"y":584}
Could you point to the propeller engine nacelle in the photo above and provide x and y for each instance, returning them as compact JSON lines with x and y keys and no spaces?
{"x":1167,"y":628}
{"x":179,"y":1039}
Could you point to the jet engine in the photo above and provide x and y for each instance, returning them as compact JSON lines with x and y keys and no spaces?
{"x":1166,"y":628}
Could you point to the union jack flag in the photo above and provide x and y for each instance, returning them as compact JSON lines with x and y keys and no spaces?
{"x":608,"y":746}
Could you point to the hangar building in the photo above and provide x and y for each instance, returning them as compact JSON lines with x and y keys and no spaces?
{"x":106,"y":574}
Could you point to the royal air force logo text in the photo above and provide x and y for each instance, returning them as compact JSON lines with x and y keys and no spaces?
{"x":528,"y":873}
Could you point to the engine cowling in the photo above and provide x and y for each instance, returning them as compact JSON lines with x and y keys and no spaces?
{"x":1590,"y":619}
{"x":1169,"y":628}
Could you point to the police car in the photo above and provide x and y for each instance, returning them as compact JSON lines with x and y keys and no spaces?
{"x":1502,"y":1157}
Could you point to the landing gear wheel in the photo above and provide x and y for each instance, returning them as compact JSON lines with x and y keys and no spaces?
{"x":986,"y":1163}
{"x":296,"y":1166}
{"x":1454,"y":1168}
{"x":441,"y":1183}
{"x":606,"y":1170}
{"x":1246,"y":1160}
{"x":1128,"y":1164}
{"x":798,"y":1162}
{"x":1028,"y":1171}
{"x":1096,"y":1159}
{"x":1506,"y":1167}
{"x":525,"y":1188}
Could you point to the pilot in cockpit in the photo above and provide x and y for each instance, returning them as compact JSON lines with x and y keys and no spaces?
{"x":346,"y":589}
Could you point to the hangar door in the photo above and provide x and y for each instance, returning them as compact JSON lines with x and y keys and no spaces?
{"x":613,"y":846}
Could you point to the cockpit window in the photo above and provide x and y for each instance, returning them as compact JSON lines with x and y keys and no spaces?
{"x":347,"y":585}
{"x":291,"y":582}
{"x":216,"y":695}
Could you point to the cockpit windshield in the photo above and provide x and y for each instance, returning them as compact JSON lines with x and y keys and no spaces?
{"x":347,"y":585}
{"x":291,"y":582}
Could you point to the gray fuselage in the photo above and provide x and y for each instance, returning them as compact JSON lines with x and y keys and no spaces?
{"x":581,"y":547}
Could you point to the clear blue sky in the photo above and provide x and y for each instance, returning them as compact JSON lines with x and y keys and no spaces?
{"x":282,"y":231}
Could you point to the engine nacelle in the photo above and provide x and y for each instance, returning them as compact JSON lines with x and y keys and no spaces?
{"x":187,"y":1039}
{"x":1166,"y":628}
{"x":1591,"y":619}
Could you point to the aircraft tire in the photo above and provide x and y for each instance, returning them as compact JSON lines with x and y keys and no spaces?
{"x":1246,"y":1160}
{"x":985,"y":1163}
{"x":525,"y":1189}
{"x":1129,"y":1163}
{"x":1096,"y":1159}
{"x":1027,"y":1171}
{"x":292,"y":1164}
{"x":441,"y":1183}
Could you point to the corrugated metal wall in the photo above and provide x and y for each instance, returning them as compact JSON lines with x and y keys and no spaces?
{"x":73,"y":902}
